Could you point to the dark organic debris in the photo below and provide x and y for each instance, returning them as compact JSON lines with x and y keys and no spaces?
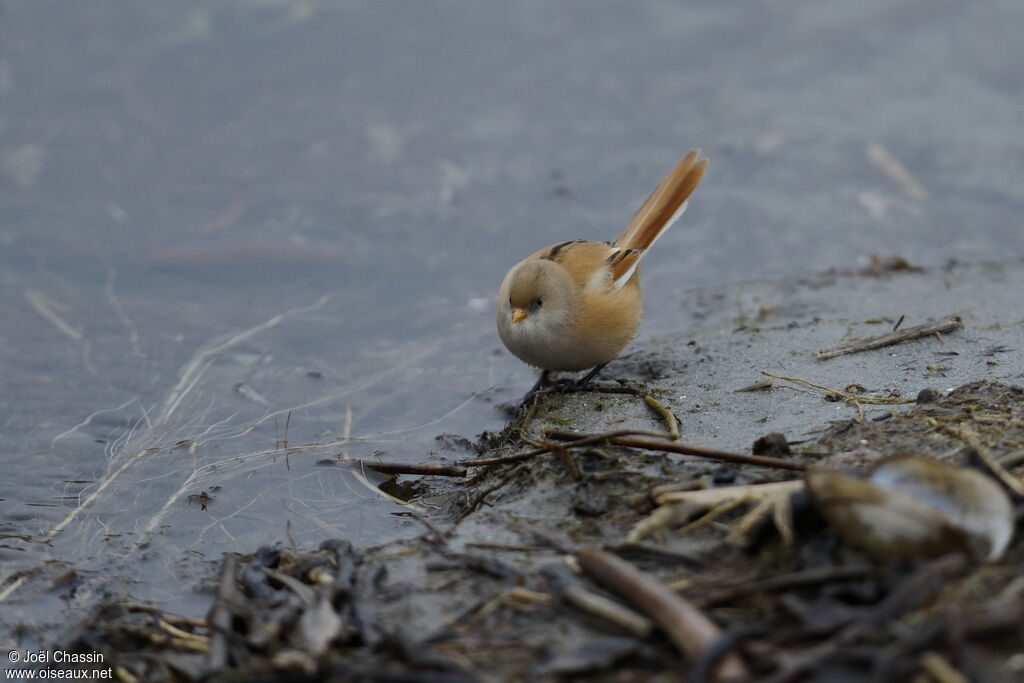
{"x":275,"y":616}
{"x":429,"y":469}
{"x":620,"y":560}
{"x":773,"y":444}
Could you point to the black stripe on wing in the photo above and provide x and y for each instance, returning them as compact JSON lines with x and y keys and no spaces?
{"x":553,"y":252}
{"x":619,"y":255}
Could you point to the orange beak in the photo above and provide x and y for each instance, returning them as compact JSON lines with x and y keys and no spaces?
{"x":518,"y":315}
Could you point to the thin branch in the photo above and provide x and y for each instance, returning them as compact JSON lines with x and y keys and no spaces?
{"x":845,"y":396}
{"x":973,"y":439}
{"x":575,"y":439}
{"x":896,"y":337}
{"x":479,"y":498}
{"x":434,"y":469}
{"x":690,"y":630}
{"x":564,"y":585}
{"x":585,"y":441}
{"x":221,"y":614}
{"x":666,"y":414}
{"x":724,"y":494}
{"x":780,"y":582}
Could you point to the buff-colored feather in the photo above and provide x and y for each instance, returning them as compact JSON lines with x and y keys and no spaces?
{"x":659,"y":211}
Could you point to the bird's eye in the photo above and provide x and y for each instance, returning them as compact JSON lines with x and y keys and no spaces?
{"x":538,"y":303}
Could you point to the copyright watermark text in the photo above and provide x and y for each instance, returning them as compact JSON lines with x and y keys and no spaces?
{"x":47,"y":664}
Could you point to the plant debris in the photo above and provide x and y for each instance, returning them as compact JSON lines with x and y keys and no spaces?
{"x":915,"y":507}
{"x":746,"y":581}
{"x":937,"y":328}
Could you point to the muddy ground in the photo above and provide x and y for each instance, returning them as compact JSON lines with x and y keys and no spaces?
{"x":490,"y":590}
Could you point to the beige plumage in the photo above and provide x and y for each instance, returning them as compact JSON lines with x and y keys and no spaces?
{"x":575,"y":305}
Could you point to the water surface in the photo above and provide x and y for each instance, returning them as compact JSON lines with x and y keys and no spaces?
{"x":229,"y":227}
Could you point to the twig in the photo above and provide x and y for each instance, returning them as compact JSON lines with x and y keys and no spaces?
{"x":657,"y":551}
{"x":488,"y":545}
{"x":676,"y":507}
{"x":670,"y":420}
{"x":513,"y":598}
{"x":743,"y":528}
{"x":690,"y":629}
{"x":180,"y":634}
{"x":551,"y":539}
{"x":484,"y":564}
{"x":915,"y":589}
{"x":782,"y":518}
{"x":799,"y":579}
{"x":972,"y":439}
{"x":843,"y":394}
{"x":162,"y":640}
{"x":662,"y":517}
{"x":483,"y":462}
{"x":563,"y":584}
{"x":711,"y":515}
{"x":896,"y":337}
{"x":711,"y":497}
{"x":435,"y":469}
{"x":304,"y":592}
{"x":939,"y":668}
{"x":439,"y":536}
{"x":220,"y":616}
{"x":566,"y":457}
{"x":675,"y":487}
{"x":757,"y":386}
{"x":562,"y":453}
{"x":575,"y":439}
{"x":479,"y":498}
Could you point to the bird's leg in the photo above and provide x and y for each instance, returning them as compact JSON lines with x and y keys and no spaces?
{"x":590,"y":375}
{"x":564,"y":386}
{"x":544,"y":380}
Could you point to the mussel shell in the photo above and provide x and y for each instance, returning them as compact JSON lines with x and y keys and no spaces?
{"x":913,"y":507}
{"x":968,"y":498}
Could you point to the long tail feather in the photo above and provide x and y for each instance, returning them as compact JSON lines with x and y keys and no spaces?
{"x":664,"y":206}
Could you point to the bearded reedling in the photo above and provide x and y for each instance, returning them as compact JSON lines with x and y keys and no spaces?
{"x":575,"y":305}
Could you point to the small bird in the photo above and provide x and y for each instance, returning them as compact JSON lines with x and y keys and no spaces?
{"x":576,"y":304}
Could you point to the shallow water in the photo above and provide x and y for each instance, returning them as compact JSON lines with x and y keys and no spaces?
{"x":226,"y":226}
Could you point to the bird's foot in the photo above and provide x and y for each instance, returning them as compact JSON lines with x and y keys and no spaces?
{"x":563,"y":386}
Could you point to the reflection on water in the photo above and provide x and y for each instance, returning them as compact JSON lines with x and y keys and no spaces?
{"x":229,"y":443}
{"x":230,"y":228}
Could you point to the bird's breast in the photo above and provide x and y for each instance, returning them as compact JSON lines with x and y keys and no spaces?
{"x":593,"y":334}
